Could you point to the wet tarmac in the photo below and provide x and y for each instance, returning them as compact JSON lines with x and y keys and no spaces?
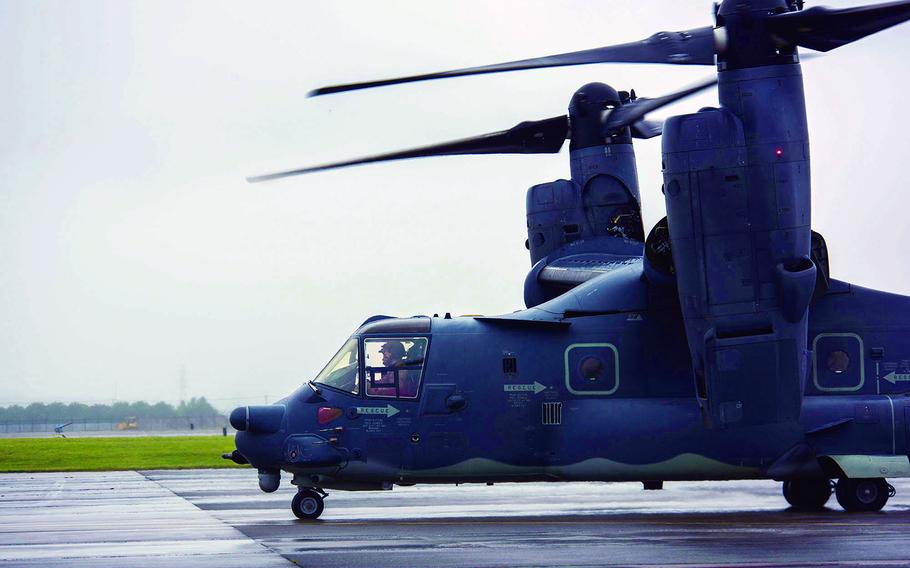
{"x":220,"y":518}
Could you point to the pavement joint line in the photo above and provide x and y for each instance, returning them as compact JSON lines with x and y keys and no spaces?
{"x":53,"y":493}
{"x":213,"y":517}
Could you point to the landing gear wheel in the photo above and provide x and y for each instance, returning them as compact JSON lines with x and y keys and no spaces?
{"x":863,"y":495}
{"x":307,"y":504}
{"x":807,"y":494}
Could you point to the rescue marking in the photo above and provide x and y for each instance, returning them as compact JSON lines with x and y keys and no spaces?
{"x":893,"y":377}
{"x":535,"y":387}
{"x":388,"y":411}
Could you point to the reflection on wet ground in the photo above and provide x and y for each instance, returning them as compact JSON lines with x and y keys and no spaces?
{"x":220,"y":518}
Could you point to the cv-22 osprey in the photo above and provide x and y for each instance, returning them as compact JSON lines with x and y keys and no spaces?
{"x":718,"y":347}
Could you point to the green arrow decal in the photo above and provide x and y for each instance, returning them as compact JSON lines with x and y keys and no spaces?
{"x":535,"y":387}
{"x":893,"y":377}
{"x":387,"y":410}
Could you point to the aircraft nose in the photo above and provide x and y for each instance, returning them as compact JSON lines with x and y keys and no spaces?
{"x":259,"y":433}
{"x":238,"y":418}
{"x":258,"y":419}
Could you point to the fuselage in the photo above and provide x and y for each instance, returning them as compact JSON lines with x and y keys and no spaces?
{"x":594,"y":385}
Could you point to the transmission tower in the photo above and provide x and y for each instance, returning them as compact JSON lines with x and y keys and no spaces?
{"x":182,"y":384}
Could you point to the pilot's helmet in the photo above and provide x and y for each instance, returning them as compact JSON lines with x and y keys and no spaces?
{"x":393,"y":348}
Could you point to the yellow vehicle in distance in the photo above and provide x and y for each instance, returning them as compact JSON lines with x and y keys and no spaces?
{"x":129,"y":423}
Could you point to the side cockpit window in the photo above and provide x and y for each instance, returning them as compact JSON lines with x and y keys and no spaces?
{"x":394,"y":366}
{"x":342,"y":371}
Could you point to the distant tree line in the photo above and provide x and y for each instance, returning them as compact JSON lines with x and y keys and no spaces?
{"x":56,"y":411}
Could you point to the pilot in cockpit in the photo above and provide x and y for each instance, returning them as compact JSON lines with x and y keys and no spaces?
{"x":404,"y":362}
{"x":392,"y":356}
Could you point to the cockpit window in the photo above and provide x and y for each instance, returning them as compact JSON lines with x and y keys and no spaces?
{"x":342,"y":371}
{"x":393,"y":366}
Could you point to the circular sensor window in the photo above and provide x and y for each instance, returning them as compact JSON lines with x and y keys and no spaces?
{"x":592,"y":368}
{"x":838,"y":361}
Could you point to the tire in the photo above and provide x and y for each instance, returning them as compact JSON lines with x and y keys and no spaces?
{"x":307,"y":504}
{"x":862,"y":495}
{"x":807,"y":494}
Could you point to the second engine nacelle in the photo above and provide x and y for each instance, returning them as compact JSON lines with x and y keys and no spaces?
{"x":738,"y":215}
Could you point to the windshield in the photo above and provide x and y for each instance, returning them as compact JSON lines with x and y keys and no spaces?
{"x":342,"y":371}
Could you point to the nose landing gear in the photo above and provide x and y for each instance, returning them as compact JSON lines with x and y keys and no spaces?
{"x":309,"y":503}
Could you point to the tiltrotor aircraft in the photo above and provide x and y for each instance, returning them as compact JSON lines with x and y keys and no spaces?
{"x":718,"y":347}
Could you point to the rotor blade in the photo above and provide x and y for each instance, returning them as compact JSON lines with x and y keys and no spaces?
{"x":533,"y":137}
{"x":824,"y":29}
{"x":645,"y":129}
{"x":630,"y":113}
{"x":692,"y":47}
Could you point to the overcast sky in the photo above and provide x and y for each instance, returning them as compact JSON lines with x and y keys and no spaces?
{"x":131,"y":246}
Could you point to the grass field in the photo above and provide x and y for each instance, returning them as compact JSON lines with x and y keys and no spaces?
{"x":105,"y":454}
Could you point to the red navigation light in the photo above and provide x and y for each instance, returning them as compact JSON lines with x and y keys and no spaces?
{"x":779,"y":152}
{"x":326,"y":414}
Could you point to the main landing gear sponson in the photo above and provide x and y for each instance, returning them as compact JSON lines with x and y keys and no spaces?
{"x":863,"y":495}
{"x":807,"y":494}
{"x":308,"y":504}
{"x":854,"y":495}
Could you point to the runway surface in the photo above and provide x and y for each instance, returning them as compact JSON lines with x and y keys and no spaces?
{"x":220,"y":518}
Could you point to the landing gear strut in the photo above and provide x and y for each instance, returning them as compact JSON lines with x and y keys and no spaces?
{"x":863,"y":495}
{"x":807,"y":494}
{"x":308,"y":503}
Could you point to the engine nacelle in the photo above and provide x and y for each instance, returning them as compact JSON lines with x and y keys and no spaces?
{"x":738,"y":212}
{"x":594,"y":212}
